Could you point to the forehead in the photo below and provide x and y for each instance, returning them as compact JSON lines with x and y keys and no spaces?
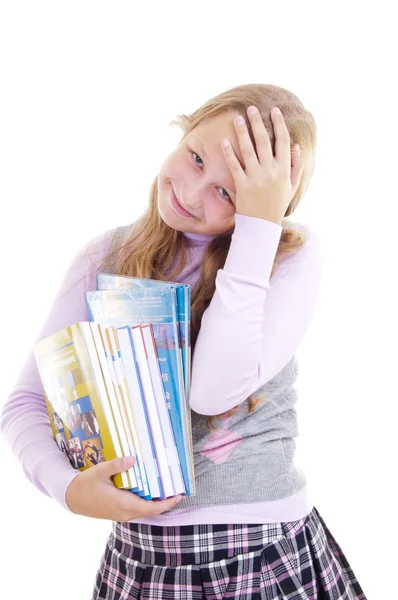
{"x":211,"y":131}
{"x":214,"y":129}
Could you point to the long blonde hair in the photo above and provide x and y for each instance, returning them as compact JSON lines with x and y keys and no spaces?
{"x":158,"y":242}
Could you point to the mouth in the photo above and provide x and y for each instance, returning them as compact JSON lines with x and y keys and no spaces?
{"x":177,"y":206}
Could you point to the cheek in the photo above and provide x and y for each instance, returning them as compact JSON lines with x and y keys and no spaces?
{"x":170,"y":168}
{"x":216,"y":211}
{"x":178,"y":170}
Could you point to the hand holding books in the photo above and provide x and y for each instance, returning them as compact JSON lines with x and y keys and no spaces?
{"x":93,"y":494}
{"x":117,"y":386}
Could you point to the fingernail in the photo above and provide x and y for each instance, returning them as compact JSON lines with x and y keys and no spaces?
{"x":276,"y":110}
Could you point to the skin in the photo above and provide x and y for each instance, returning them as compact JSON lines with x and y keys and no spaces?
{"x":92,"y":493}
{"x":202,"y":181}
{"x":214,"y":183}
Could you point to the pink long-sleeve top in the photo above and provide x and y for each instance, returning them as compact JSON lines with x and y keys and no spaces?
{"x":269,"y":321}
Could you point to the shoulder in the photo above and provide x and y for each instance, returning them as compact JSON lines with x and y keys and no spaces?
{"x":97,"y":245}
{"x":96,"y":248}
{"x":116,"y":235}
{"x":96,"y":251}
{"x":88,"y":257}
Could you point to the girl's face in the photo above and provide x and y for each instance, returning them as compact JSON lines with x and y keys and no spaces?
{"x":199,"y":175}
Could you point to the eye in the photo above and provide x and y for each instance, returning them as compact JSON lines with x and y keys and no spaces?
{"x":194,"y":153}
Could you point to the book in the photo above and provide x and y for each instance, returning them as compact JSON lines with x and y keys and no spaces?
{"x":81,"y":415}
{"x":156,"y":305}
{"x":110,"y":281}
{"x":130,"y":409}
{"x":116,"y":386}
{"x":163,"y":410}
{"x":146,"y":416}
{"x":113,"y":281}
{"x":116,"y":401}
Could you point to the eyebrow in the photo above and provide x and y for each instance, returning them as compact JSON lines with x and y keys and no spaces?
{"x":202,"y":151}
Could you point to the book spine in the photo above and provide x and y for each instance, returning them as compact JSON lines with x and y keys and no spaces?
{"x":141,"y":476}
{"x":135,"y":394}
{"x":111,"y":364}
{"x":112,"y":397}
{"x":163,"y":410}
{"x":120,"y":479}
{"x":154,"y":417}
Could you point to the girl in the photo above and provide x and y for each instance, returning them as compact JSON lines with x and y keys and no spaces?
{"x":216,"y":220}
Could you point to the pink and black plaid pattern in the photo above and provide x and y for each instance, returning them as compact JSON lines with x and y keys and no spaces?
{"x":299,"y":560}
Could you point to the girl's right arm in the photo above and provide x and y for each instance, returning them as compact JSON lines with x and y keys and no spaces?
{"x":24,"y":420}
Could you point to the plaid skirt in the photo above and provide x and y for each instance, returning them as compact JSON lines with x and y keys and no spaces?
{"x":271,"y":561}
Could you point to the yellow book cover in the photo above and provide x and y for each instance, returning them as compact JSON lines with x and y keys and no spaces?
{"x":77,"y":401}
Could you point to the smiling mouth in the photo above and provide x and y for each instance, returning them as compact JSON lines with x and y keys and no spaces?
{"x":178,"y":206}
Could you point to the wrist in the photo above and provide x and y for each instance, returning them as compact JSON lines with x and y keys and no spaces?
{"x":69,"y":494}
{"x":267,"y":215}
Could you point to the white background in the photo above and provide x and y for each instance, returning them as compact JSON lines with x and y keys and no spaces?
{"x":87,"y":93}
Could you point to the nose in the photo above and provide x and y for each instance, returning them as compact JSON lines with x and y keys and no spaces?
{"x":189,"y":201}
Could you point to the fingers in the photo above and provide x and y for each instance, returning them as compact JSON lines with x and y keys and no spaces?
{"x":234,"y":165}
{"x":134,"y":507}
{"x":245,"y":143}
{"x":114,"y":466}
{"x":263,"y":143}
{"x":161,"y":505}
{"x":282,"y":140}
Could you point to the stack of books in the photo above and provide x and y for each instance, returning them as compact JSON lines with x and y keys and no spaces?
{"x":118,"y":384}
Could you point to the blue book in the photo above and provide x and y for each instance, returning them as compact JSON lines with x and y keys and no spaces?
{"x":110,"y":281}
{"x":143,"y":421}
{"x":157,"y":305}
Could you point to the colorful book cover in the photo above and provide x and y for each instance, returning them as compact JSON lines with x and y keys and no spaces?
{"x":163,"y":410}
{"x":76,"y":399}
{"x":113,"y":281}
{"x":135,"y":391}
{"x":110,"y":384}
{"x":124,"y":417}
{"x":130,"y":409}
{"x":156,"y":306}
{"x":110,"y":281}
{"x":152,"y":404}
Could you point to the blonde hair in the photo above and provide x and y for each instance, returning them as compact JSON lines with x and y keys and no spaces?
{"x":159,"y":242}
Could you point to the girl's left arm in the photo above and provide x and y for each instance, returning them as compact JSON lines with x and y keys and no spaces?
{"x":253,"y":327}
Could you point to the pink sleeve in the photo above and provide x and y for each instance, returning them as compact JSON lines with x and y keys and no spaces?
{"x":25,"y":423}
{"x":252,"y":327}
